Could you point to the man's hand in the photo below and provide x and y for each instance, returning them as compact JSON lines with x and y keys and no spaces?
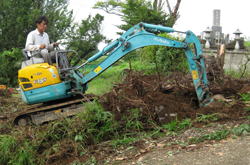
{"x":55,"y":44}
{"x":42,"y":46}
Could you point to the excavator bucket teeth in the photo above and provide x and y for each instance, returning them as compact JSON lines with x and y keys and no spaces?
{"x":218,"y":100}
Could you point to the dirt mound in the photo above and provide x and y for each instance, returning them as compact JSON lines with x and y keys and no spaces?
{"x":170,"y":97}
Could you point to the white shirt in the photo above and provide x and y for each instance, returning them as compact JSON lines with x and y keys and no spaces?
{"x":35,"y":39}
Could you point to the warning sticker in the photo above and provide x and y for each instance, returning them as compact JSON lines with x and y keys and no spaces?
{"x":195,"y":76}
{"x":98,"y":69}
{"x":58,"y":111}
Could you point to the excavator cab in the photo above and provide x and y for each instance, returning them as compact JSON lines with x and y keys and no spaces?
{"x":40,"y":82}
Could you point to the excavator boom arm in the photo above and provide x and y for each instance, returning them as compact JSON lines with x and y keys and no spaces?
{"x":142,"y":35}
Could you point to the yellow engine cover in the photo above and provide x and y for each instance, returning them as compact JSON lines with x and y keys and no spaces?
{"x":37,"y":76}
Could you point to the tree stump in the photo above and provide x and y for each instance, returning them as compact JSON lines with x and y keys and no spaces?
{"x":214,"y":66}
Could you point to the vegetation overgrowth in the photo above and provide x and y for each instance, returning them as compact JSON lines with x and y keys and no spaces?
{"x":168,"y":59}
{"x":94,"y":126}
{"x":10,"y":64}
{"x":41,"y":144}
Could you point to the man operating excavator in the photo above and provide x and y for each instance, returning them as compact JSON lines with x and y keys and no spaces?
{"x":38,"y":42}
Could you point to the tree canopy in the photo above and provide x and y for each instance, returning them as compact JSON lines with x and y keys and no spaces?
{"x":17,"y":19}
{"x":134,"y":11}
{"x":84,"y":37}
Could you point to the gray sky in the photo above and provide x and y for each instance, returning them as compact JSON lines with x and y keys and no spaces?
{"x":195,"y":15}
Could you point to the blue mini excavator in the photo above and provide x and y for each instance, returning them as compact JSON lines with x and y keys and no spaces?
{"x":43,"y":83}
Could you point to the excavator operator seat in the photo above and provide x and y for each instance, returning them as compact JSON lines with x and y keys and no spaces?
{"x":25,"y":55}
{"x":30,"y":60}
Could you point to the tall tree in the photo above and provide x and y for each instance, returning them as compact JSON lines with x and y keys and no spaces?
{"x":136,"y":11}
{"x":60,"y":19}
{"x":174,"y":15}
{"x":157,"y":4}
{"x":84,"y":37}
{"x":133,"y":12}
{"x":17,"y":19}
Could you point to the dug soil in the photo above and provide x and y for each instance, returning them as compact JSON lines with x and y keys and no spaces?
{"x":165,"y":98}
{"x":160,"y":99}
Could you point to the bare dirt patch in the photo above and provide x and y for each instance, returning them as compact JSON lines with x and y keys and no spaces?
{"x":229,"y":151}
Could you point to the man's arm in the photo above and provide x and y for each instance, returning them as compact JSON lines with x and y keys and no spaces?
{"x":29,"y":46}
{"x":50,"y":46}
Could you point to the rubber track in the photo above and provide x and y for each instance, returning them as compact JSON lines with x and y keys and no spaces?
{"x":46,"y":108}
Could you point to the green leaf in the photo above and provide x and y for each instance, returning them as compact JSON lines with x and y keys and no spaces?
{"x":78,"y":138}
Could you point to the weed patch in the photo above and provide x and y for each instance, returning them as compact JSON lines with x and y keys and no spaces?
{"x":14,"y":153}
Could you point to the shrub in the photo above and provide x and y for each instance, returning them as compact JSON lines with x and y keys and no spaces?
{"x":15,"y":153}
{"x":167,"y":58}
{"x":10,"y":64}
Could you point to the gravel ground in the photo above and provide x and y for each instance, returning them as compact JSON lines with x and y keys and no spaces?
{"x":225,"y":152}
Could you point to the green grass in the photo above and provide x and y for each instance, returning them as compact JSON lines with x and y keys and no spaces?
{"x":224,"y":133}
{"x":125,"y":140}
{"x":103,"y":82}
{"x":172,"y":127}
{"x":238,"y":73}
{"x":206,"y":118}
{"x":245,"y":98}
{"x":17,"y":95}
{"x":13,"y":153}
